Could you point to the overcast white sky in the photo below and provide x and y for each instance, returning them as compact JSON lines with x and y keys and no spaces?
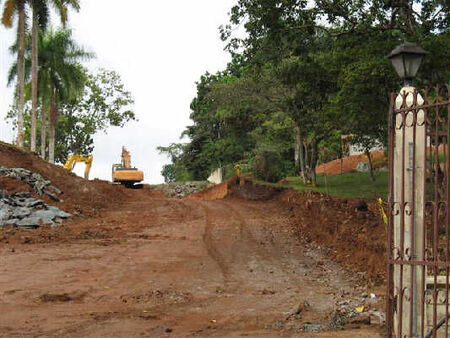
{"x":160,"y":48}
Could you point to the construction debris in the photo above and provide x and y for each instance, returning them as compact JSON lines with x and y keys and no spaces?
{"x":24,"y":211}
{"x":181,"y":189}
{"x":34,"y":180}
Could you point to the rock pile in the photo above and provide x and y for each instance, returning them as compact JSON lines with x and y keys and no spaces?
{"x":34,"y":180}
{"x":182,"y":189}
{"x":24,"y":211}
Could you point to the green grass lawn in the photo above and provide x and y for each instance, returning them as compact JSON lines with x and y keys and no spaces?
{"x":352,"y":185}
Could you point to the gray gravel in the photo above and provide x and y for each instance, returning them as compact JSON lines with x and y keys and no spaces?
{"x":34,"y":180}
{"x":181,"y":189}
{"x":24,"y":211}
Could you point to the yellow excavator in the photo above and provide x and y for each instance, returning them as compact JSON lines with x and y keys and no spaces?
{"x":75,"y":158}
{"x":125,"y":174}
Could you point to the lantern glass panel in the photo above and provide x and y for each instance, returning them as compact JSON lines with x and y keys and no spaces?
{"x":412,"y":64}
{"x":397,"y":62}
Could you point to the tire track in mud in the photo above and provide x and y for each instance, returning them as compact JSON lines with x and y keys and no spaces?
{"x":212,"y":250}
{"x":268,"y":254}
{"x":245,"y":248}
{"x":306,"y":262}
{"x":275,"y":268}
{"x":244,"y":243}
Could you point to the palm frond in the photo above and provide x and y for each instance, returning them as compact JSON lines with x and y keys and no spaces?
{"x":40,"y":7}
{"x":9,"y":11}
{"x":12,"y":74}
{"x":61,"y":6}
{"x":59,"y":65}
{"x":75,"y":4}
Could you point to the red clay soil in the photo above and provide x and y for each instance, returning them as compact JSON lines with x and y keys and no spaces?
{"x":79,"y":195}
{"x":347,"y":164}
{"x":355,"y":239}
{"x":175,"y":268}
{"x":215,"y":192}
{"x":242,"y":187}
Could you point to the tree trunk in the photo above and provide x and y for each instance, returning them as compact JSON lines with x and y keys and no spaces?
{"x":34,"y":79}
{"x":20,"y":71}
{"x":302,"y":158}
{"x":306,"y":177}
{"x":310,"y":162}
{"x":297,"y":146}
{"x":313,"y":164}
{"x":369,"y":158}
{"x":51,"y":132}
{"x":43,"y":131}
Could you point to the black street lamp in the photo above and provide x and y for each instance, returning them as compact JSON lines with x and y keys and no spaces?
{"x":406,"y":59}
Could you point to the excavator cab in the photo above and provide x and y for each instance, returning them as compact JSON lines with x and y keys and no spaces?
{"x":125,"y":174}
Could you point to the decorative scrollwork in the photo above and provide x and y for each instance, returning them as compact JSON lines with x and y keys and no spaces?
{"x":407,"y":208}
{"x":410,"y":117}
{"x":421,"y":117}
{"x":395,"y":209}
{"x":408,"y":254}
{"x":399,"y":120}
{"x":396,"y":253}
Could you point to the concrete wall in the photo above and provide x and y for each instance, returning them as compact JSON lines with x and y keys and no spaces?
{"x":216,"y":176}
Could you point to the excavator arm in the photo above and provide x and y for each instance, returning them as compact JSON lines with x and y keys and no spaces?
{"x":73,"y":159}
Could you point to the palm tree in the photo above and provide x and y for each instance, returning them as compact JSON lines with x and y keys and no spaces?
{"x":61,"y":77}
{"x":10,"y":10}
{"x":41,"y":16}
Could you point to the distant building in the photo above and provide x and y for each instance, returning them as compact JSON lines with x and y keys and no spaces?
{"x":350,"y":149}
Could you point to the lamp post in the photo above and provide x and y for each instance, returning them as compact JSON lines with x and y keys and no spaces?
{"x":406,"y":59}
{"x":408,"y":191}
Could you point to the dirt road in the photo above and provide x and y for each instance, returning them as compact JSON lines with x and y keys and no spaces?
{"x":175,"y":268}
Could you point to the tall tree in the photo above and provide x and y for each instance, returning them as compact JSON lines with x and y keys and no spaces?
{"x":11,"y":9}
{"x":62,"y":77}
{"x":40,"y":19}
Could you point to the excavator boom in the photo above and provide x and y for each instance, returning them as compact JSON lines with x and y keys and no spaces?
{"x":73,"y":159}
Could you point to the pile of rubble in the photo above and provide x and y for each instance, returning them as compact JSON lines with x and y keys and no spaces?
{"x":181,"y":189}
{"x":36,"y":181}
{"x":24,"y":211}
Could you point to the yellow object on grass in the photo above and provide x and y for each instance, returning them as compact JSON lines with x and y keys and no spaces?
{"x":360,"y":309}
{"x":383,"y":213}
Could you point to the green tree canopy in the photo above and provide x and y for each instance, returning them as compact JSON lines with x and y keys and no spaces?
{"x":104,"y":103}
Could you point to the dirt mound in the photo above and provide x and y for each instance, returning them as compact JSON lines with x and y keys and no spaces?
{"x":246,"y":188}
{"x":212,"y":193}
{"x":347,"y":164}
{"x":79,"y":195}
{"x":12,"y":186}
{"x":353,"y":236}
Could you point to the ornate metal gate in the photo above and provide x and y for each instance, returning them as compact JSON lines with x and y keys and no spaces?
{"x":418,"y":230}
